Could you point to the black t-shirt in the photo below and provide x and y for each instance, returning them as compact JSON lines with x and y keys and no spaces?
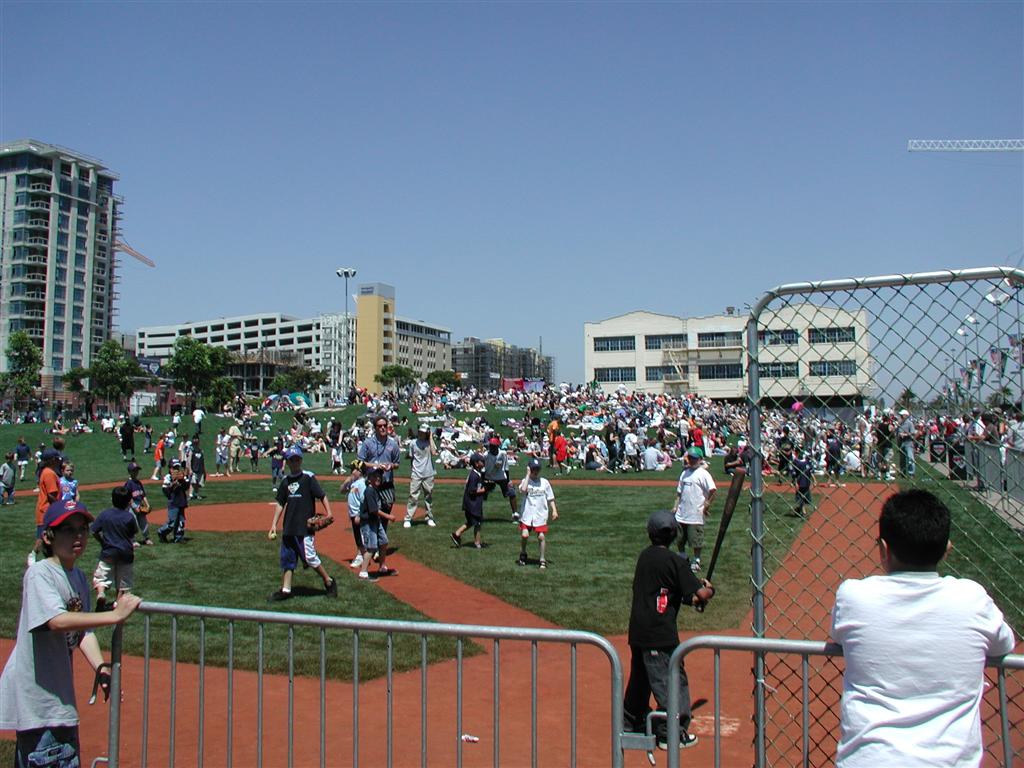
{"x":472,"y":500}
{"x":370,"y":508}
{"x":298,"y":495}
{"x":662,"y":581}
{"x":117,"y":527}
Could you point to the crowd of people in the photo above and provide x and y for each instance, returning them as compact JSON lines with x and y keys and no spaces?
{"x":562,"y":429}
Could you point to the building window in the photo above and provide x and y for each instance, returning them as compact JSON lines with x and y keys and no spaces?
{"x":58,"y":308}
{"x":714,"y":371}
{"x":605,"y":375}
{"x":779,"y":370}
{"x":831,"y":335}
{"x":614,"y":344}
{"x":720,"y":339}
{"x":57,"y":363}
{"x":662,"y":372}
{"x":58,"y":328}
{"x":774,"y":338}
{"x":666,"y":341}
{"x":833,"y":367}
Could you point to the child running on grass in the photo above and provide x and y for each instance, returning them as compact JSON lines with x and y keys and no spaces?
{"x":473,"y":495}
{"x":37,"y":690}
{"x":538,"y":498}
{"x":115,"y":530}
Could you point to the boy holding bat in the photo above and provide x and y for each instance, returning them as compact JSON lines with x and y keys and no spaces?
{"x":915,"y":645}
{"x":661,"y":583}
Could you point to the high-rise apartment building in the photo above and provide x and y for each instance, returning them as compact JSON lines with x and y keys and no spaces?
{"x":484,"y":363}
{"x":59,"y":220}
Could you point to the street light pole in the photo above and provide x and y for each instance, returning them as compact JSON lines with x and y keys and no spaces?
{"x":346,"y":273}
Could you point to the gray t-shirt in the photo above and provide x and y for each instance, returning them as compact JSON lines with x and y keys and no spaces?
{"x":419,"y":454}
{"x":496,"y":466}
{"x":37,"y":688}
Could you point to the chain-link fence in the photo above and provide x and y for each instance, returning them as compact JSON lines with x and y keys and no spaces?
{"x":859,"y":388}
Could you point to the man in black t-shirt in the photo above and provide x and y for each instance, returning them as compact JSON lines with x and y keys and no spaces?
{"x":661,"y":583}
{"x":296,"y":500}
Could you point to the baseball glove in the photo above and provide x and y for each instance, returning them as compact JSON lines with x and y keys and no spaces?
{"x":318,"y":522}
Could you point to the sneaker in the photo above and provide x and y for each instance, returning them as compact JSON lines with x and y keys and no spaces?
{"x":695,"y":565}
{"x":356,"y":562}
{"x":685,"y":740}
{"x":102,"y":605}
{"x":147,"y":543}
{"x":407,"y":524}
{"x":456,"y":540}
{"x":431,"y":523}
{"x":331,"y":589}
{"x":515,"y":517}
{"x":136,"y":545}
{"x":162,"y":535}
{"x":543,"y":564}
{"x":279,"y":596}
{"x":385,"y":571}
{"x":522,"y":559}
{"x":364,"y":575}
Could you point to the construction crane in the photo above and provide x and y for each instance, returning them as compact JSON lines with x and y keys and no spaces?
{"x":121,"y":245}
{"x":965,"y":145}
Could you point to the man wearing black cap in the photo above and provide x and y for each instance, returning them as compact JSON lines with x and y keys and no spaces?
{"x":661,"y":583}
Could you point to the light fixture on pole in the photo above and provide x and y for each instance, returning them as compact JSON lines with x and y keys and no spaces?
{"x":346,"y":273}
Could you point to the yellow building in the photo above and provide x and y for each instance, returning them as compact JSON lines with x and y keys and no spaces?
{"x":383,"y":338}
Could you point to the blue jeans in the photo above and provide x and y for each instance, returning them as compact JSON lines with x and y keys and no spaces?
{"x":175,"y":523}
{"x":907,"y":465}
{"x":649,"y":673}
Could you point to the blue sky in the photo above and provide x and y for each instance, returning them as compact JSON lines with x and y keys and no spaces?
{"x":516,"y":170}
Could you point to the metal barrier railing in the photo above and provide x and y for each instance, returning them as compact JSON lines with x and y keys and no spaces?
{"x":356,"y":626}
{"x":805,"y":649}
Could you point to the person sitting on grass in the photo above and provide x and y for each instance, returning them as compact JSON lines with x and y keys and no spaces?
{"x":37,"y":690}
{"x":915,"y":645}
{"x":115,"y":529}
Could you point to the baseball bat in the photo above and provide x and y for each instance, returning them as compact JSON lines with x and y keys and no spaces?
{"x":735,"y":488}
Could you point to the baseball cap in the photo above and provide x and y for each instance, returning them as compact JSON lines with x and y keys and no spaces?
{"x":175,"y":464}
{"x":293,"y":452}
{"x":475,"y":457}
{"x":357,"y":464}
{"x":494,"y":441}
{"x":661,"y":521}
{"x":533,"y":464}
{"x":695,"y":453}
{"x":49,"y":454}
{"x":133,"y":467}
{"x":60,"y":511}
{"x":904,"y":412}
{"x":424,"y":427}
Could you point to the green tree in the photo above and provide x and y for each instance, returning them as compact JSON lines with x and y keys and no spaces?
{"x":395,"y":375}
{"x":24,"y":362}
{"x":446,"y":379}
{"x":194,"y":366}
{"x":222,"y":390}
{"x":74,"y":381}
{"x":113,"y":374}
{"x":1001,"y":398}
{"x":907,"y":399}
{"x":305,"y":380}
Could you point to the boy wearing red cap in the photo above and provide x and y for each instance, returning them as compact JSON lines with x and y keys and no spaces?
{"x":37,"y":692}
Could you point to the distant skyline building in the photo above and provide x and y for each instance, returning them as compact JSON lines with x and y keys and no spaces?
{"x":59,"y":219}
{"x":263,"y":342}
{"x":483,"y":363}
{"x":811,"y":351}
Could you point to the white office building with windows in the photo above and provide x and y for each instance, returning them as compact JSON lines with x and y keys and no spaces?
{"x":806,"y":351}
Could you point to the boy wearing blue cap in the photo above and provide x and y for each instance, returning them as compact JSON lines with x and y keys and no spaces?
{"x":297,"y":496}
{"x":37,"y":691}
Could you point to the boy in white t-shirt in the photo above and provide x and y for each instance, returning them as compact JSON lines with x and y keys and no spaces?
{"x":538,"y":499}
{"x":915,"y":645}
{"x":694,"y":493}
